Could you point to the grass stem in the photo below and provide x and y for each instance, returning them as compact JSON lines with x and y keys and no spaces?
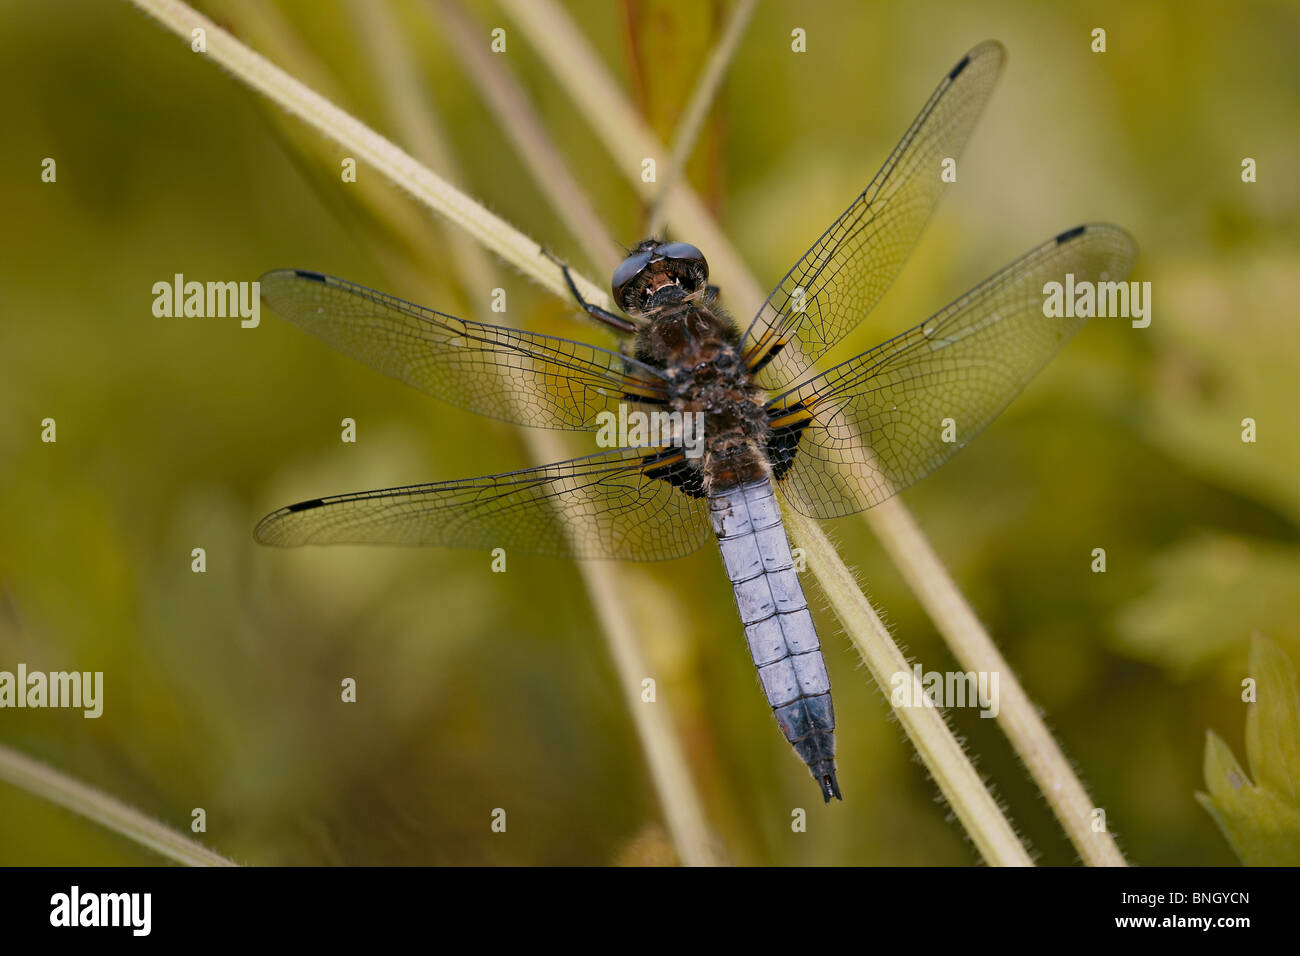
{"x":956,"y":777}
{"x":35,"y":777}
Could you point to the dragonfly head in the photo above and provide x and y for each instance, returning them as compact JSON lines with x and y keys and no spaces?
{"x":657,"y":273}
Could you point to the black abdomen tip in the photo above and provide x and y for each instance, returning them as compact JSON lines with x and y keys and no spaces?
{"x":825,"y":774}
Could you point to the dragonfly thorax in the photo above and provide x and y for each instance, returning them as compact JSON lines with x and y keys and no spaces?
{"x":707,"y":376}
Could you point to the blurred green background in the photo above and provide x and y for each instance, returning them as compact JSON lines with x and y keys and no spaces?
{"x":481,"y":690}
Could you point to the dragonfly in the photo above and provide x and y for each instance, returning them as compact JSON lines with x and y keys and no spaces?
{"x":832,"y":442}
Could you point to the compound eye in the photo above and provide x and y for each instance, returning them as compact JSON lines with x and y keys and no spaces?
{"x":681,"y":250}
{"x":684,"y":252}
{"x":628,"y":270}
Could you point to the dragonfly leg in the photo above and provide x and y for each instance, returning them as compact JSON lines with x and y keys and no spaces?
{"x":617,"y":322}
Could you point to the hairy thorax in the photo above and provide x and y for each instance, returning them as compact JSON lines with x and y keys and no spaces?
{"x":696,"y":345}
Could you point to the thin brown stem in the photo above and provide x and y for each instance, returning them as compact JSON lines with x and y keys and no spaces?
{"x":697,"y":109}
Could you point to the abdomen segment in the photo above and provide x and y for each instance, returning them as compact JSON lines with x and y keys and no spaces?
{"x":778,"y":625}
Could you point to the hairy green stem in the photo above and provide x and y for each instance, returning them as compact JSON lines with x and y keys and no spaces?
{"x":956,"y":777}
{"x":35,"y":777}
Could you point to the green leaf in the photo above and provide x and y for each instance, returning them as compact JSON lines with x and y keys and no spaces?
{"x":1261,"y":820}
{"x":1273,"y":721}
{"x":1211,"y":362}
{"x":1203,"y":588}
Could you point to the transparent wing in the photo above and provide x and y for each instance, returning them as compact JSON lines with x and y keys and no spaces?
{"x":847,"y":440}
{"x":842,"y":277}
{"x":623,"y":505}
{"x":521,"y":377}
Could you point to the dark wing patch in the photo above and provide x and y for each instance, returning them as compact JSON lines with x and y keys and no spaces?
{"x":672,"y":465}
{"x":786,"y":427}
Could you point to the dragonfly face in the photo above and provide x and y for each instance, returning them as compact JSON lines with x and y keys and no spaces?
{"x":656,"y":274}
{"x":834,"y":443}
